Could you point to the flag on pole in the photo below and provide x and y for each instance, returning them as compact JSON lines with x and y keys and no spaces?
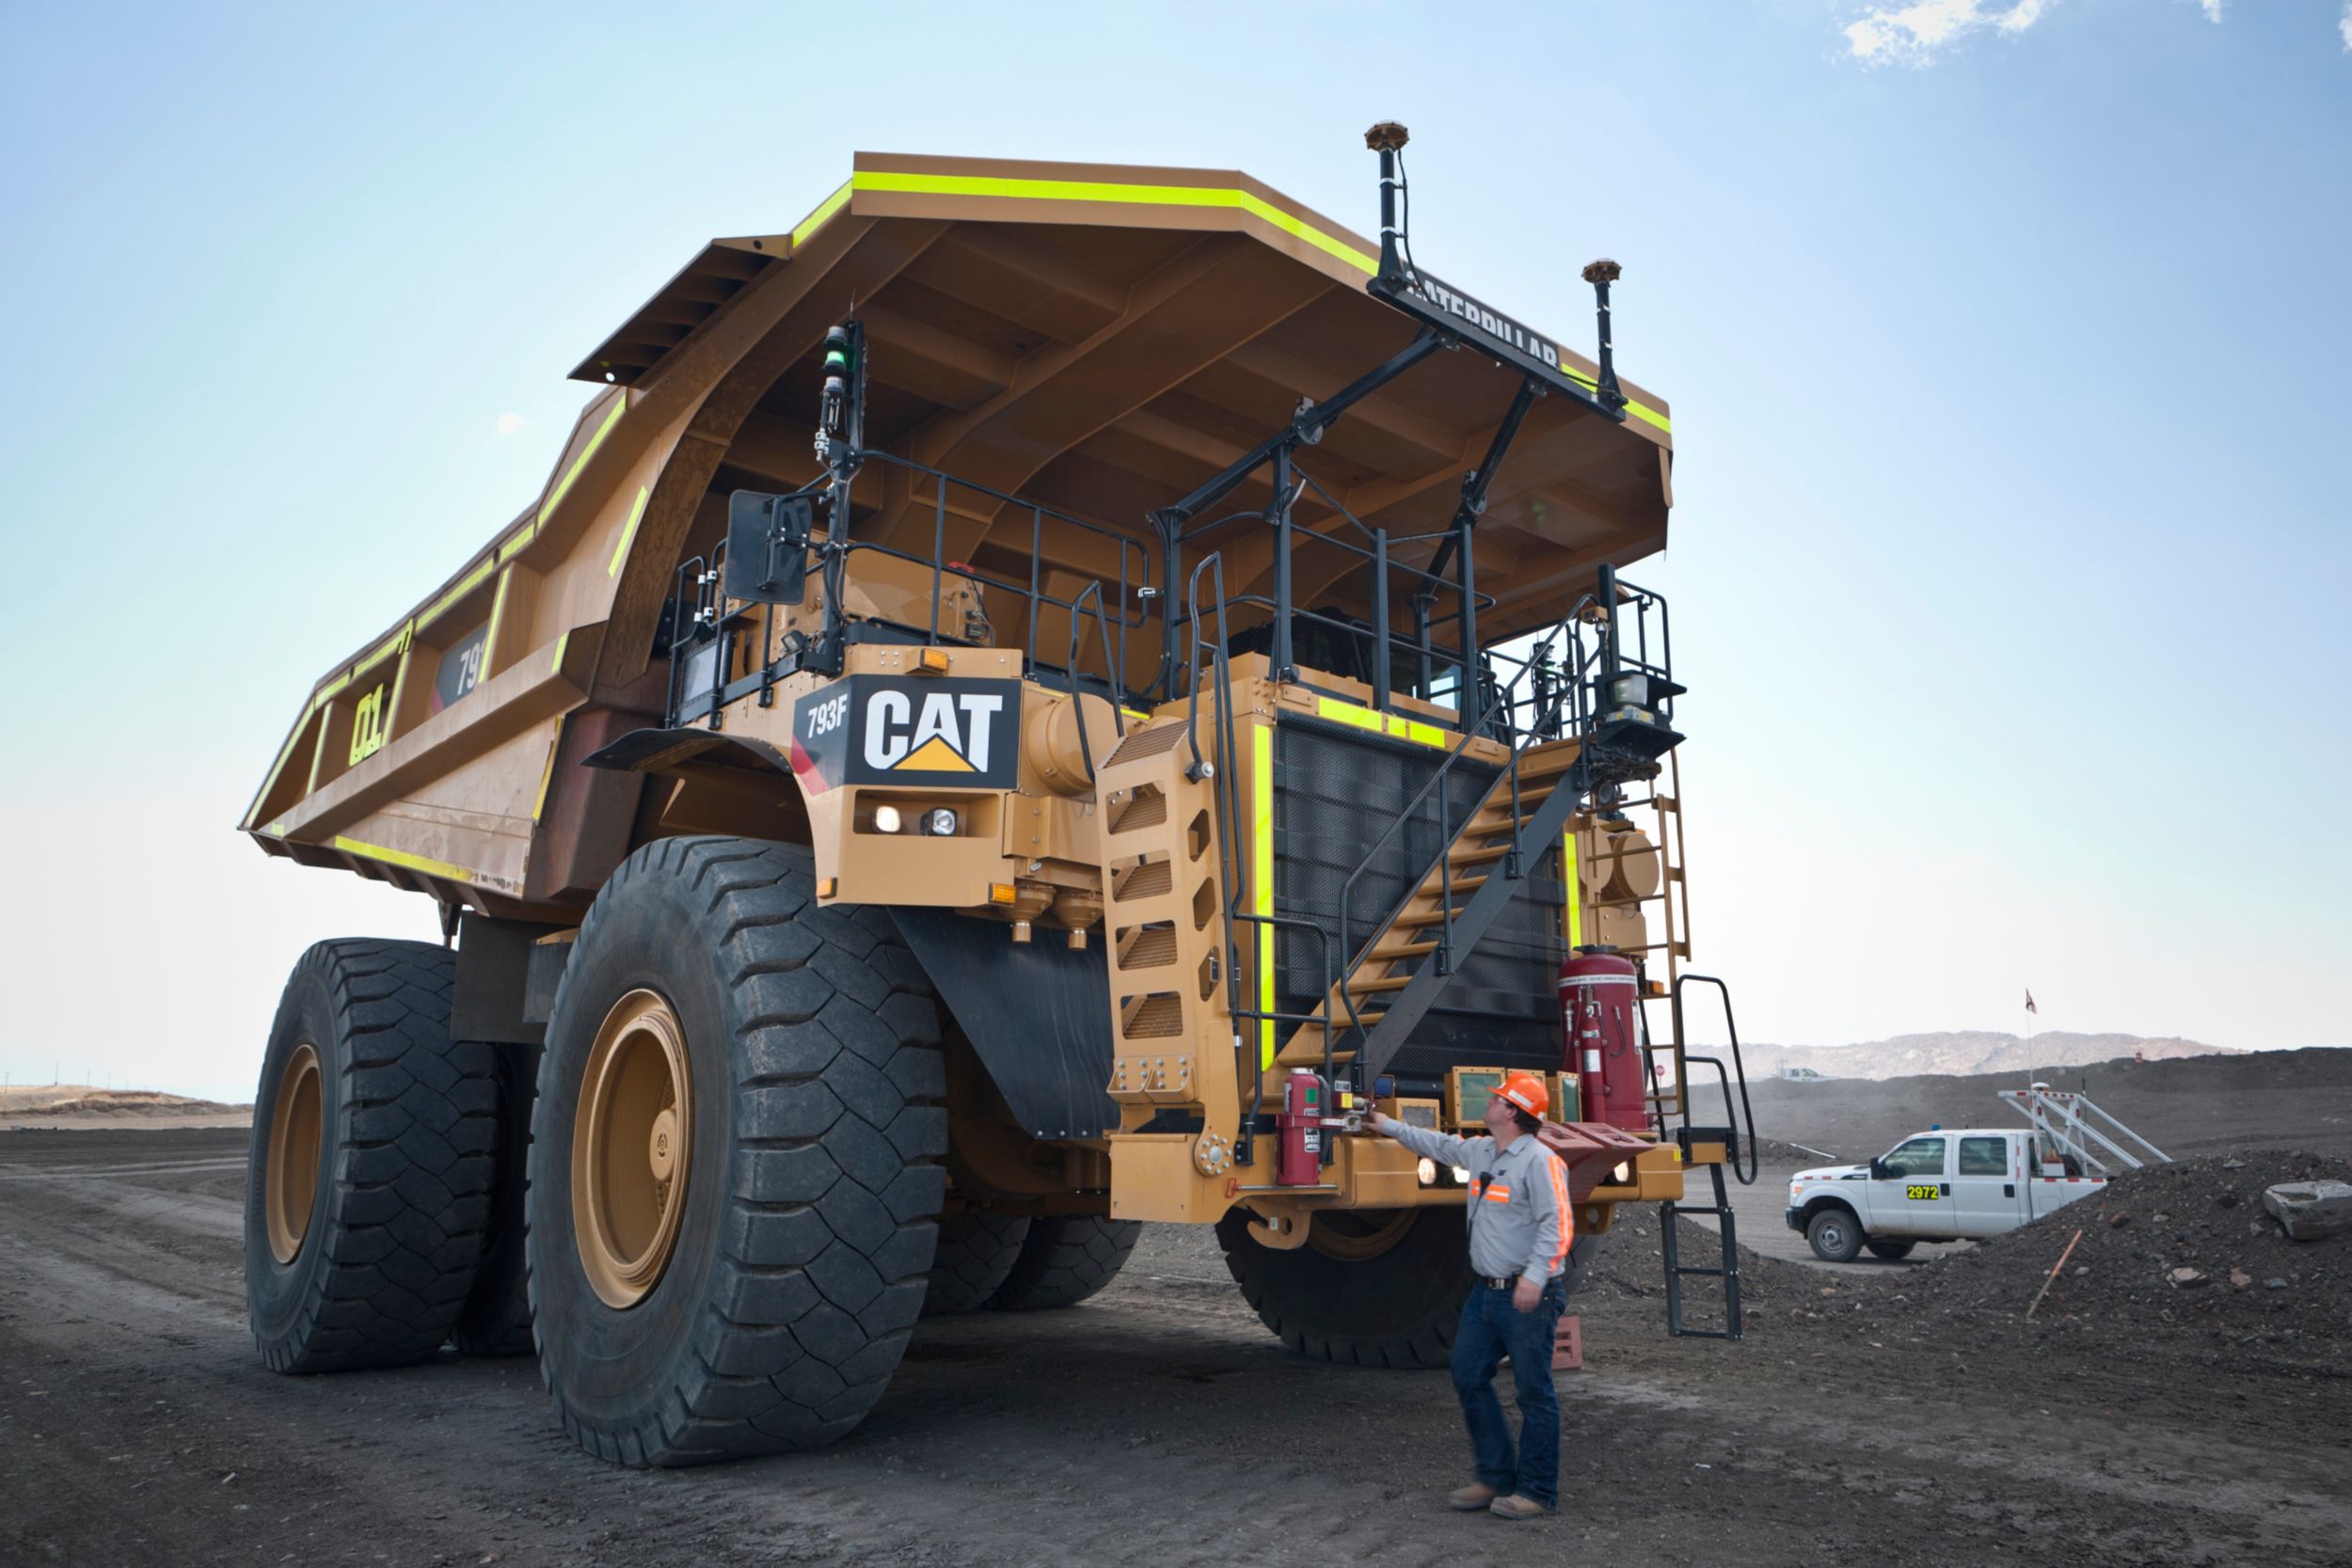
{"x":2029,"y":1007}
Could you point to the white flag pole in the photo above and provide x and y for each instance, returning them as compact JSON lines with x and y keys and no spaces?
{"x":2029,"y":1015}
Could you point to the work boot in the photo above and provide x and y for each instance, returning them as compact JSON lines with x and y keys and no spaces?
{"x":1470,"y":1498}
{"x":1514,"y":1507}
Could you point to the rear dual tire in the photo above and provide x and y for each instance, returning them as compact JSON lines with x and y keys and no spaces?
{"x":369,"y":1169}
{"x":1369,"y":1288}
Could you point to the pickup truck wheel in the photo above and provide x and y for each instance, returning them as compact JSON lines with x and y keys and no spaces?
{"x":1894,"y":1252}
{"x":734,"y":1162}
{"x":1836,"y":1235}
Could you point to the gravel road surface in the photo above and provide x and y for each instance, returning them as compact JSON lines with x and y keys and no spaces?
{"x":1158,"y":1423}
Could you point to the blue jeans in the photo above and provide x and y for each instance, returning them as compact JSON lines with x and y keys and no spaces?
{"x":1492,"y":1329}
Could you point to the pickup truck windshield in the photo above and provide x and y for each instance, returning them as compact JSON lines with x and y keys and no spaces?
{"x":1916,"y":1157}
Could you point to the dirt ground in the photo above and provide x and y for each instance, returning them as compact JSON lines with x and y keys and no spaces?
{"x":2199,"y":1105}
{"x":1869,"y":1417}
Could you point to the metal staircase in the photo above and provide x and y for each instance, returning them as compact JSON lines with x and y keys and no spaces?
{"x":1569,"y":738}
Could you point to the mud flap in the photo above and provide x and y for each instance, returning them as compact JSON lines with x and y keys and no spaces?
{"x":1039,"y":1014}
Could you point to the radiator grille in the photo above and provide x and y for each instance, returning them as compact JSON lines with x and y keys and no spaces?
{"x":1335,"y":793}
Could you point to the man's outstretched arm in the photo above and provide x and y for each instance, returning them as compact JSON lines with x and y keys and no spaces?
{"x":1444,"y":1148}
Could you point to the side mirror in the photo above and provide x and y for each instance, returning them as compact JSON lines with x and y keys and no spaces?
{"x":768,"y":547}
{"x":1879,"y":1171}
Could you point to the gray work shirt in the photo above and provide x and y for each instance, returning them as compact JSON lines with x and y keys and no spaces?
{"x":1519,"y":1215}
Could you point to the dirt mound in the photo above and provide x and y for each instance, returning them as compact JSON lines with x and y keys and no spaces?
{"x":80,"y":1100}
{"x":2277,"y":1099}
{"x":1971,"y":1052}
{"x":2262,"y":1305}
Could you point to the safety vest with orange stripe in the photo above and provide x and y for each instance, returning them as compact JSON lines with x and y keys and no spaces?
{"x":1520,"y":1221}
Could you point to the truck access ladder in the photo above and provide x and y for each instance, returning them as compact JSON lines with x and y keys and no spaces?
{"x":2064,"y":1118}
{"x":1714,"y":1147}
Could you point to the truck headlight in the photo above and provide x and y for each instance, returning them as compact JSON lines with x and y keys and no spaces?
{"x":1461,"y":1174}
{"x":887,"y":820}
{"x":940,"y":822}
{"x":1428,"y":1171}
{"x":1623,"y":1174}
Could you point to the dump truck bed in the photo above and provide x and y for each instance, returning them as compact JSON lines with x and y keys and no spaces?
{"x":1088,"y":340}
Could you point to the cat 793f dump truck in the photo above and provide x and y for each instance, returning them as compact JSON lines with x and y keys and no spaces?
{"x":1027,"y":702}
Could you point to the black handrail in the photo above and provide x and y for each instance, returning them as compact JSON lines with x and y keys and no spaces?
{"x":1747,"y":1111}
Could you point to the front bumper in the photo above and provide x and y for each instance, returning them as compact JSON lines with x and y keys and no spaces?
{"x":1796,"y":1218}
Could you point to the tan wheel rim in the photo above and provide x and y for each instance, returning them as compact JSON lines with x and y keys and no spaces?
{"x":1355,"y":1236}
{"x":290,"y":1184}
{"x":632,"y":1144}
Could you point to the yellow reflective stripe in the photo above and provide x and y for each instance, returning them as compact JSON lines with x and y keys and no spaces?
{"x":490,"y":636}
{"x":389,"y":715}
{"x":628,"y":531}
{"x":1347,"y":713}
{"x":1576,"y":895}
{"x":1392,"y":725}
{"x":513,"y":546}
{"x":1262,"y":876}
{"x":620,"y":405}
{"x":466,"y":585}
{"x":1106,"y":190}
{"x":561,"y":642}
{"x":402,"y":858}
{"x":1641,"y":411}
{"x":825,"y":209}
{"x":547,"y":772}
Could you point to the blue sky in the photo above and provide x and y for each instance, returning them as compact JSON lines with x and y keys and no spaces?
{"x":2006,"y":345}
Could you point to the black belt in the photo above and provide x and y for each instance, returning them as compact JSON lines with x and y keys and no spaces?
{"x":1504,"y":1284}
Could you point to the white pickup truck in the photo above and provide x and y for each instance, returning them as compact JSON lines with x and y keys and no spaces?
{"x":1949,"y":1185}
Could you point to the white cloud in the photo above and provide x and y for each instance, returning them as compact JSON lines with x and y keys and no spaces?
{"x":2345,"y":26}
{"x":1916,"y":33}
{"x":509,"y":424}
{"x":2212,"y":9}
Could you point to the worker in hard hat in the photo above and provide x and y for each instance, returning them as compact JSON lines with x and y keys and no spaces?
{"x":1520,"y":1227}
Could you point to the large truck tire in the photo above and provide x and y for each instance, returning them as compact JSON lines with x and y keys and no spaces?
{"x":976,"y":1254}
{"x":1065,"y":1261}
{"x":369,"y":1172}
{"x":497,"y":1319}
{"x":735,"y":1160}
{"x":1370,"y":1288}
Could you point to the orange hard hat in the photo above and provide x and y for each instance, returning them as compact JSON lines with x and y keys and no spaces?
{"x":1526,"y":1091}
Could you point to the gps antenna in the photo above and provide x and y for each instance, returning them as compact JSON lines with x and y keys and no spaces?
{"x":1388,"y":138}
{"x":1601,"y":275}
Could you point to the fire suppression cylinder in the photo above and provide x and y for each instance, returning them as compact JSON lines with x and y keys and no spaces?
{"x":1300,"y":1129}
{"x":1596,"y":999}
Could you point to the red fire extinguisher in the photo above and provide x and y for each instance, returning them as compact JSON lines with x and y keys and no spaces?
{"x":1300,"y":1125}
{"x":1596,"y":999}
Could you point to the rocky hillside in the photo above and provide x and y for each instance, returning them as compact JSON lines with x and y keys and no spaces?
{"x":1967,"y":1052}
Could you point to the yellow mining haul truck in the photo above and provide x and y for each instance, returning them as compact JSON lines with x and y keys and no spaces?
{"x":1026,"y":701}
